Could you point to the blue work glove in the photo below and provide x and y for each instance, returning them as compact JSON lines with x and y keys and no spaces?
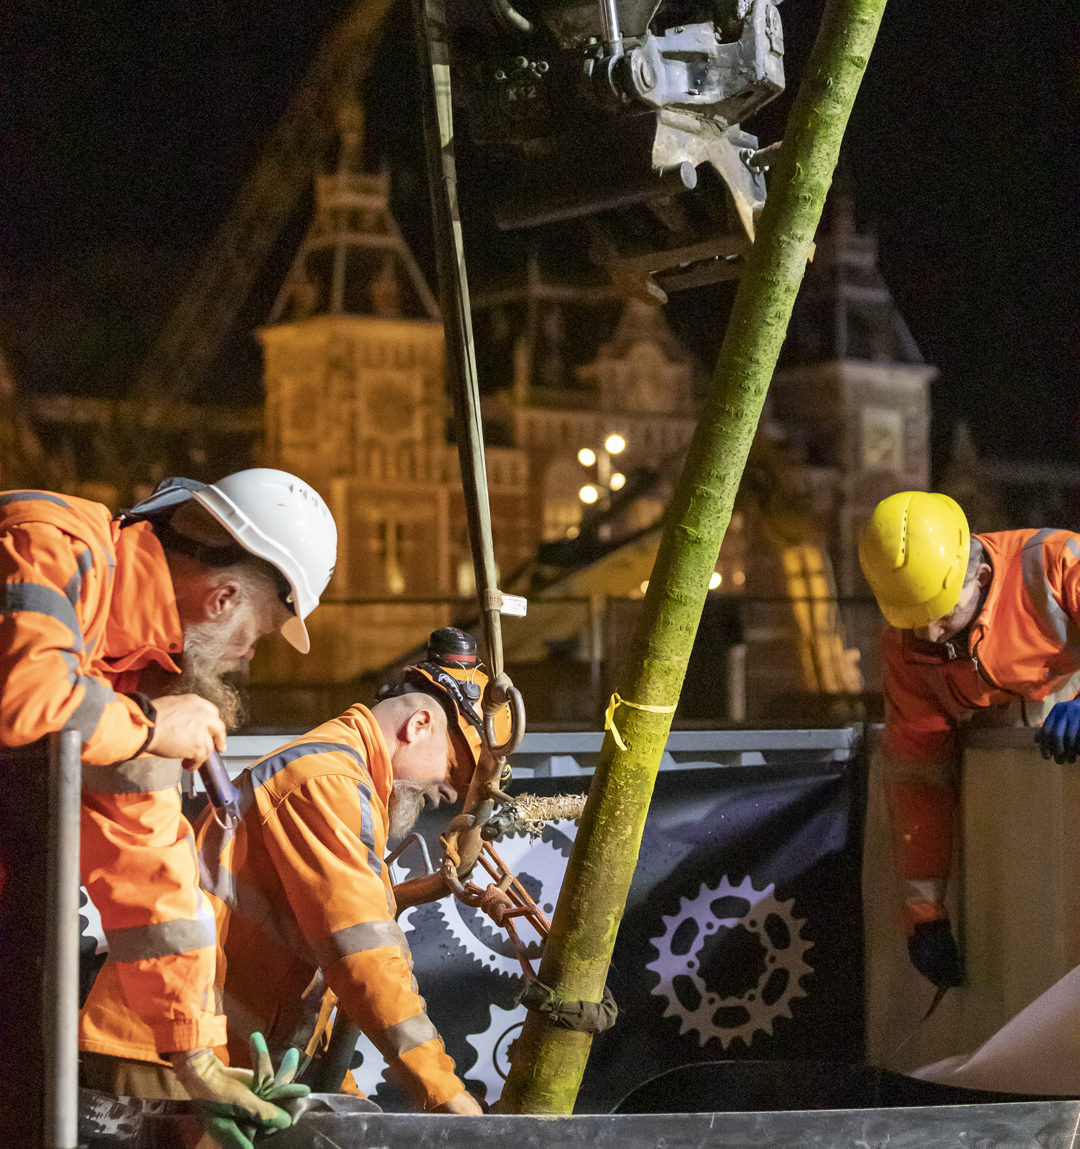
{"x":935,"y":954}
{"x":1059,"y":735}
{"x":233,"y":1130}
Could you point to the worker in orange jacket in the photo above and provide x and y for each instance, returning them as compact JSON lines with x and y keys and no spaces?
{"x":982,"y":628}
{"x":121,"y":628}
{"x":300,"y":887}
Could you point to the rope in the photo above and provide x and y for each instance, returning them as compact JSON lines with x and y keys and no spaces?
{"x":496,"y":904}
{"x":529,"y":812}
{"x":616,"y":701}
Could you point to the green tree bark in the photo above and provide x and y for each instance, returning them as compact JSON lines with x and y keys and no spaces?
{"x":548,"y":1063}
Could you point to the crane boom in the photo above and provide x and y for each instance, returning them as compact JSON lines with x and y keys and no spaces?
{"x":193,"y":333}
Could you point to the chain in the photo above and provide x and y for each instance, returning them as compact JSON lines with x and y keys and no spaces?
{"x":504,"y":900}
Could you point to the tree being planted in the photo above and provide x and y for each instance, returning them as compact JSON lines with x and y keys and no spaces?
{"x":548,"y":1059}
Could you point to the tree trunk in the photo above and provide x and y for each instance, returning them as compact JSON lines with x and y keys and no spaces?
{"x":548,"y":1062}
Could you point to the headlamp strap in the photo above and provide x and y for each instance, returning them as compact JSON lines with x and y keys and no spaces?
{"x":449,"y":684}
{"x":226,"y":555}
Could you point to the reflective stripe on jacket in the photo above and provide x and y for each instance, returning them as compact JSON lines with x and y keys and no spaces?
{"x":87,"y":612}
{"x":300,"y":885}
{"x":1023,"y":646}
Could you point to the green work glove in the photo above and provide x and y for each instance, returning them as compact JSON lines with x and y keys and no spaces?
{"x":238,"y":1104}
{"x":267,"y":1084}
{"x":227,"y":1133}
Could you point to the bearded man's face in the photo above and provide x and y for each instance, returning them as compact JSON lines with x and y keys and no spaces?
{"x":407,"y":799}
{"x":214,"y":649}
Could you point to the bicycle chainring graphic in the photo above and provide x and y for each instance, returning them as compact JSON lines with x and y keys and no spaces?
{"x":729,"y":962}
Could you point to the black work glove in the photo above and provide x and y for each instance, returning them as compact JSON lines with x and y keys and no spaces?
{"x":935,"y":954}
{"x":1059,"y":735}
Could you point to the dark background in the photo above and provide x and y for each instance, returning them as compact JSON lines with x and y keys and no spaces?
{"x":127,"y":129}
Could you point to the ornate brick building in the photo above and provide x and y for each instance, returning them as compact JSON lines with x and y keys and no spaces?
{"x":355,"y":403}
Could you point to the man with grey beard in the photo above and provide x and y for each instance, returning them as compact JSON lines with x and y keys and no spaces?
{"x":121,"y":627}
{"x":300,"y":887}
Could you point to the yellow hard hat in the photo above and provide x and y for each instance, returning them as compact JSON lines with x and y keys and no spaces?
{"x":914,"y":553}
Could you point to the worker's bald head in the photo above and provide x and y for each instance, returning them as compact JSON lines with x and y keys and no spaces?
{"x":415,"y":728}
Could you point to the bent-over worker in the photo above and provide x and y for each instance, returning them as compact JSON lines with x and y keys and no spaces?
{"x":300,"y":887}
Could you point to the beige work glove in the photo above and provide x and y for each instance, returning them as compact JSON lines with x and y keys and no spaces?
{"x":229,"y":1092}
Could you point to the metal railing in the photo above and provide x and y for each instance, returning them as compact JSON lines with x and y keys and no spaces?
{"x":573,"y":753}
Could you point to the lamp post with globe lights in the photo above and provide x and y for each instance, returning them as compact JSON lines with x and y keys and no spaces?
{"x":608,"y":479}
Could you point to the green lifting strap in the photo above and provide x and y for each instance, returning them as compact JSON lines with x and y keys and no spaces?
{"x":582,"y":1016}
{"x":431,"y":25}
{"x":430,"y":17}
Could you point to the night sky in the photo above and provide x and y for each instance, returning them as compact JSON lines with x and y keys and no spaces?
{"x":128,"y":127}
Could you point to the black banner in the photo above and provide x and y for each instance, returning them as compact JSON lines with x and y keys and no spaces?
{"x":742,"y":936}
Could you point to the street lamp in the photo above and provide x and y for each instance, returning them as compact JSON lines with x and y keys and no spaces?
{"x":607,"y":478}
{"x":614,"y":444}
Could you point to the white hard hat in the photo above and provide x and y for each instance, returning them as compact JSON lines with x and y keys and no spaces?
{"x":273,"y":515}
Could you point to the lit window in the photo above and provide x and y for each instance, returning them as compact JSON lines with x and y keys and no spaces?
{"x":466,"y":579}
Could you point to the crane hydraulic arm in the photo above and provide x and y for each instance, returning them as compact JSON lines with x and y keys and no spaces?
{"x":194,"y":332}
{"x":621,"y":119}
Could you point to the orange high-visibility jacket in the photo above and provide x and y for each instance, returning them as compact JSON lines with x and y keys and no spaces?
{"x":1024,"y":646}
{"x":87,"y":617}
{"x":300,"y":886}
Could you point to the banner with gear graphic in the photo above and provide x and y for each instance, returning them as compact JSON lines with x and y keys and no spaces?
{"x":742,"y":936}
